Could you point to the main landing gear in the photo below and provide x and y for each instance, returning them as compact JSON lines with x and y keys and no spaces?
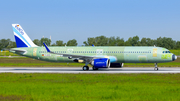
{"x":94,"y":68}
{"x":156,"y":68}
{"x":85,"y":68}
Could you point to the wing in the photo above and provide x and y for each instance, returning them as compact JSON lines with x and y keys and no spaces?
{"x":83,"y":57}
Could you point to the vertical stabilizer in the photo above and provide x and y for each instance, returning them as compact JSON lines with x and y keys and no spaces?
{"x":22,"y":39}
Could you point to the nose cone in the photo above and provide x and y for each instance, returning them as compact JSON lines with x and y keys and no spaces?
{"x":174,"y":57}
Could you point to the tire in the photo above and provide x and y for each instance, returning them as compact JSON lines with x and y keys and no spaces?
{"x":156,"y":69}
{"x":94,"y":68}
{"x":85,"y":68}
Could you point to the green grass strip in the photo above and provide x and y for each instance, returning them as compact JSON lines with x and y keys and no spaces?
{"x":90,"y":87}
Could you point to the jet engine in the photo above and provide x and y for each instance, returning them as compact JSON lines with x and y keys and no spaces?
{"x":101,"y":63}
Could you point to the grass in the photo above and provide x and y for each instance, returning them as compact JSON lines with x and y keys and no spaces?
{"x":7,"y":53}
{"x":90,"y":87}
{"x":176,"y":52}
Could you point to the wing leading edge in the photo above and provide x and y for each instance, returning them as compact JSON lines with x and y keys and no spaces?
{"x":70,"y":55}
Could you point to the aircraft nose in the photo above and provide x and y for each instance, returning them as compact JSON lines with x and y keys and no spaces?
{"x":174,"y":57}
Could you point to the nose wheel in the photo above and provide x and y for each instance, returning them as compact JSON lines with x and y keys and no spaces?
{"x":156,"y":68}
{"x":85,"y":68}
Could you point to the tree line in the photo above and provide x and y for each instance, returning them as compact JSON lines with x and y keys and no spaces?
{"x":165,"y":42}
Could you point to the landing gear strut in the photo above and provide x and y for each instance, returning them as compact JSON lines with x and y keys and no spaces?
{"x":156,"y":68}
{"x":85,"y":68}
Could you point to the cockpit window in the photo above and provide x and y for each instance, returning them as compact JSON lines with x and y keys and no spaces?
{"x":166,"y":52}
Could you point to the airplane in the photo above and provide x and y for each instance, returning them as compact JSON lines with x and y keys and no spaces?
{"x":97,"y":56}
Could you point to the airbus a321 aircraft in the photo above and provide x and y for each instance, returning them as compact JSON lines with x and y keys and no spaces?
{"x":98,"y":56}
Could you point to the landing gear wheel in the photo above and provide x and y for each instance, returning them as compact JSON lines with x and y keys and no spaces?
{"x":94,"y":68}
{"x":156,"y":68}
{"x":85,"y":68}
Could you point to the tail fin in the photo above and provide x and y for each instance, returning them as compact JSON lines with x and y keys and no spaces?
{"x":22,"y":39}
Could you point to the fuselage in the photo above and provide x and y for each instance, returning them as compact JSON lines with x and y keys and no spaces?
{"x":120,"y":54}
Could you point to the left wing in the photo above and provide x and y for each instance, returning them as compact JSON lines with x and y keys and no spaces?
{"x":83,"y":57}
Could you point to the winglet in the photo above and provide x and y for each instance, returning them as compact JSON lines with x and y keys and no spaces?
{"x":46,"y":47}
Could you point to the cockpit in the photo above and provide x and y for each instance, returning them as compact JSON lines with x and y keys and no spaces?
{"x":166,"y":52}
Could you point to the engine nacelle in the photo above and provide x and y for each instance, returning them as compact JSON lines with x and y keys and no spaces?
{"x":117,"y":65}
{"x":101,"y":63}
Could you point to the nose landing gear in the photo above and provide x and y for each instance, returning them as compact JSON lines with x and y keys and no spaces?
{"x":156,"y":68}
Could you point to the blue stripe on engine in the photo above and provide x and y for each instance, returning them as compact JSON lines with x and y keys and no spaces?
{"x":20,"y":36}
{"x":19,"y":42}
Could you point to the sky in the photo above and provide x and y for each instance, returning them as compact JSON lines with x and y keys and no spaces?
{"x":79,"y":19}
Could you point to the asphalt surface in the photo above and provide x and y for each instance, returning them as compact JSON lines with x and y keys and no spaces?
{"x":79,"y":70}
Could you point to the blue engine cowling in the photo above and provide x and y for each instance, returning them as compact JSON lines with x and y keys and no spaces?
{"x":101,"y":63}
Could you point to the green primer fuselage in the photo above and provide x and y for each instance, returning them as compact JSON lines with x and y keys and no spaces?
{"x":124,"y":54}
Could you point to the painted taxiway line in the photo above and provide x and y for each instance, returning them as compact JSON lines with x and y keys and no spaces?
{"x":77,"y":70}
